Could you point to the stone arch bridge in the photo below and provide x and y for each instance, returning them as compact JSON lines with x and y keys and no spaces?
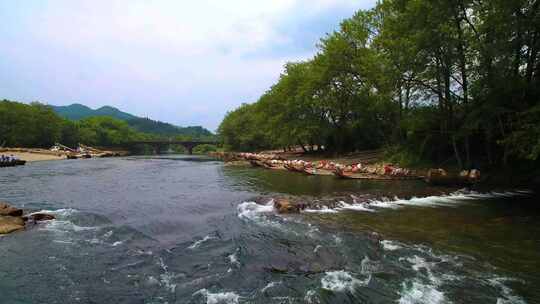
{"x":162,"y":145}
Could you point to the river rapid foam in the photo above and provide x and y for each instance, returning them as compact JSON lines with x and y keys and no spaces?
{"x":425,"y":276}
{"x":458,"y":197}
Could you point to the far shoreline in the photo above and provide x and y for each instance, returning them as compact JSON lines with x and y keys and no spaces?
{"x":39,"y":154}
{"x":32,"y":154}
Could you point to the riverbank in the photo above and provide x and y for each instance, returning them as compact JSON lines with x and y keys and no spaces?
{"x":364,"y":157}
{"x":37,"y":154}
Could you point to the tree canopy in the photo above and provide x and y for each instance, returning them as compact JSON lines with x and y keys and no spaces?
{"x":446,"y":80}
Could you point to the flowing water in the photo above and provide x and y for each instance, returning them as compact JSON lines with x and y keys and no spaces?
{"x":186,"y":230}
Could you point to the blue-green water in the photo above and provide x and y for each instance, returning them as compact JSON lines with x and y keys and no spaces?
{"x":185,"y":230}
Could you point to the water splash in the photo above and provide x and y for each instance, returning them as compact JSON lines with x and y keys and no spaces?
{"x":341,"y":280}
{"x":451,"y":199}
{"x":198,"y":243}
{"x":219,"y":297}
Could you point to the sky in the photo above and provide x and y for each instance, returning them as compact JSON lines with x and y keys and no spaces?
{"x":182,"y":62}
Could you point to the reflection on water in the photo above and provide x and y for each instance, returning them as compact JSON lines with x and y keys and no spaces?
{"x":276,"y":181}
{"x":183,"y":230}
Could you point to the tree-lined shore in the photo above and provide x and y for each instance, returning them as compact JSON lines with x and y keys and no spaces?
{"x":37,"y":125}
{"x":450,"y":82}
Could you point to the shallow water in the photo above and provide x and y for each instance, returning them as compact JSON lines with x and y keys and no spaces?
{"x":185,"y":230}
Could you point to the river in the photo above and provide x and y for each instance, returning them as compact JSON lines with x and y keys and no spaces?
{"x":178,"y":229}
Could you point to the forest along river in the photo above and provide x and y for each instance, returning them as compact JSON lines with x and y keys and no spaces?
{"x":186,"y":230}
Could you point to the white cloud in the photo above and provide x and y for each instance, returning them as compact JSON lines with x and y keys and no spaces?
{"x":195,"y":59}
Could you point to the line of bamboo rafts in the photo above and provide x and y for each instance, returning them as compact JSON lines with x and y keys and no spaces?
{"x":373,"y":176}
{"x":12,"y":163}
{"x":332,"y":169}
{"x":382,"y":172}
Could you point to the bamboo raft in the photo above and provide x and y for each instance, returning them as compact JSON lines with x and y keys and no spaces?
{"x":269,"y":165}
{"x":366,"y":176}
{"x":13,"y":163}
{"x":79,"y":155}
{"x":266,"y":165}
{"x":256,"y":163}
{"x":294,"y":168}
{"x":315,"y":171}
{"x":449,"y":180}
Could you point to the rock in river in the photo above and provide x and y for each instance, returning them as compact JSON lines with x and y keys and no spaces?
{"x":9,"y":224}
{"x":6,"y":209}
{"x":284,"y":205}
{"x":41,"y":217}
{"x":12,"y":219}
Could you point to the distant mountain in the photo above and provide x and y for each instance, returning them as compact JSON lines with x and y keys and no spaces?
{"x":113,"y":112}
{"x":75,"y":111}
{"x":78,"y":111}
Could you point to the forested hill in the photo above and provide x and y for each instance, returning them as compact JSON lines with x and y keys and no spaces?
{"x":38,"y":125}
{"x":78,"y":111}
{"x":145,"y":125}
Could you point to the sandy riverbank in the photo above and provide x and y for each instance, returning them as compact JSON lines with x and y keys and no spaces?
{"x":32,"y":155}
{"x":35,"y":154}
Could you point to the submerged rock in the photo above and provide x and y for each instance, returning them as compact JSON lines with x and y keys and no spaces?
{"x":285,"y":205}
{"x":10,"y":224}
{"x":38,"y":217}
{"x":12,"y":219}
{"x":7,"y":210}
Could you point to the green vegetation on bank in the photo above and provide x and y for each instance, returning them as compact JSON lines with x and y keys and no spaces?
{"x":38,"y":125}
{"x":446,"y":81}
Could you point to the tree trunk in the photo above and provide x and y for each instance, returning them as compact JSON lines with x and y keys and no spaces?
{"x":442,"y":130}
{"x":488,"y":147}
{"x":464,"y":85}
{"x":456,"y":151}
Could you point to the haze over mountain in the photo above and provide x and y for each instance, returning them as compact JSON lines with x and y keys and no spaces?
{"x":78,"y":111}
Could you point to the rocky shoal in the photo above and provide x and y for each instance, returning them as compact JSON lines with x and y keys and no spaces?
{"x":13,"y":219}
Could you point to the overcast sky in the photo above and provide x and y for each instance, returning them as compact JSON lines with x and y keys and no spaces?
{"x":183,"y":62}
